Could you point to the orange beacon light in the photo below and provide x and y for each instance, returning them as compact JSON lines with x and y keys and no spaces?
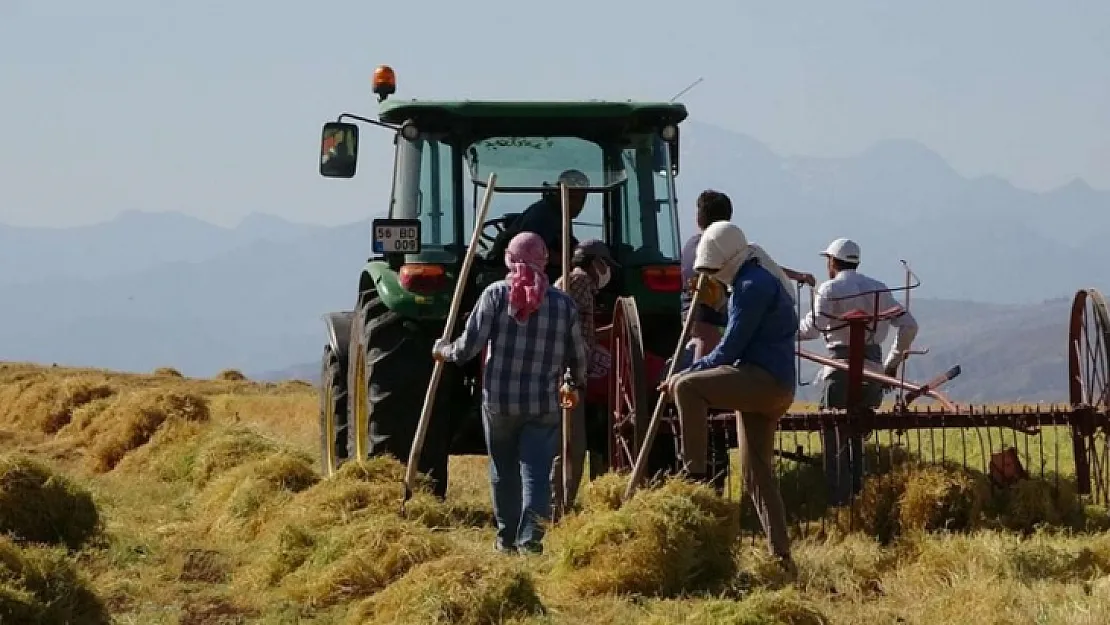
{"x":385,"y":82}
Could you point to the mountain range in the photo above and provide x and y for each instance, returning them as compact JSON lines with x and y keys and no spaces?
{"x":997,"y":265}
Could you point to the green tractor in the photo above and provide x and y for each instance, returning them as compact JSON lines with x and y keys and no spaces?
{"x":377,"y":361}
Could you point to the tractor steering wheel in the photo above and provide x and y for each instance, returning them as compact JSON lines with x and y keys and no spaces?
{"x":498,"y":225}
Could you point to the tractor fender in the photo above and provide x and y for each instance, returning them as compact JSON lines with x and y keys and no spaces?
{"x":338,"y":326}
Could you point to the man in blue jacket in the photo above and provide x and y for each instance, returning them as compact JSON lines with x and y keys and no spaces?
{"x":750,"y":371}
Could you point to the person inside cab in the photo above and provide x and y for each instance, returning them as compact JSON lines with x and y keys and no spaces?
{"x":545,"y":219}
{"x":847,"y":289}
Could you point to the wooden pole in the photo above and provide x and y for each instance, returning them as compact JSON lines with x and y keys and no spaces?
{"x":653,"y":426}
{"x":448,"y":330}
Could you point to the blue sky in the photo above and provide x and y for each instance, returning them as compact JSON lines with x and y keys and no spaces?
{"x":215,"y":111}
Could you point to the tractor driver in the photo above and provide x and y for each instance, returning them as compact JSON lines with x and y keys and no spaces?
{"x":847,"y":289}
{"x":545,"y":218}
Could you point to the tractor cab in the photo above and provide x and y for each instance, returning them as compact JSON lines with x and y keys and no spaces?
{"x":622,"y":156}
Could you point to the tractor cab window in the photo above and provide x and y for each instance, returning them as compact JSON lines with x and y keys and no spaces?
{"x":628,"y":204}
{"x":528,"y":174}
{"x":649,"y":229}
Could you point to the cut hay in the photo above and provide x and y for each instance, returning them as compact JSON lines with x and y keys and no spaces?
{"x":47,"y":403}
{"x":74,"y":394}
{"x":41,"y":587}
{"x":1027,"y":505}
{"x":361,"y":560}
{"x":231,"y":375}
{"x":665,"y":541}
{"x":134,"y":419}
{"x":917,"y":499}
{"x":603,"y":493}
{"x":782,"y":607}
{"x":228,"y":450}
{"x":167,"y":372}
{"x":942,"y":498}
{"x":457,"y":590}
{"x":37,"y":505}
{"x":247,"y":497}
{"x":376,"y":486}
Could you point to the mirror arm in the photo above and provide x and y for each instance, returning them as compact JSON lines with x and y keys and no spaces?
{"x":368,"y":121}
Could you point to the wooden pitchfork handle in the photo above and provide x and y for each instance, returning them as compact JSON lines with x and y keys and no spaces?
{"x":656,"y":417}
{"x":448,"y":330}
{"x":564,"y":196}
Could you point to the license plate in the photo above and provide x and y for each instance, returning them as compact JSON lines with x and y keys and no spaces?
{"x":396,"y":236}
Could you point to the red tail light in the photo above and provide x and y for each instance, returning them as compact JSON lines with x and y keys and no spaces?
{"x":662,"y":279}
{"x":423,"y":278}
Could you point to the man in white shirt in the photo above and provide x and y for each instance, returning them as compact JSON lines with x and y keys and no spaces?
{"x":847,"y":289}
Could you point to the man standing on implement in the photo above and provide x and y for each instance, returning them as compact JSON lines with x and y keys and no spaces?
{"x":750,"y":371}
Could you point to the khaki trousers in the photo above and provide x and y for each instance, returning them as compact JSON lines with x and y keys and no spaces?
{"x":759,"y":402}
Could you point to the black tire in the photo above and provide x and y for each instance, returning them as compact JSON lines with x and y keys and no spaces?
{"x":333,"y":408}
{"x":396,"y":361}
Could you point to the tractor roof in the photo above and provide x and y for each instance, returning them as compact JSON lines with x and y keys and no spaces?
{"x":533,"y":117}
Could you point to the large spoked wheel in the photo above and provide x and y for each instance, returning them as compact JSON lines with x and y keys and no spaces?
{"x":1089,"y":391}
{"x":333,"y":412}
{"x":628,"y":405}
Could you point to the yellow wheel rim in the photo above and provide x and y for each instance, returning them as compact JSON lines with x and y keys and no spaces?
{"x":329,"y":431}
{"x":360,"y":405}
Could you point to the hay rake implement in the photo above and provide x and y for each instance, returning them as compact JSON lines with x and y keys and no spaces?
{"x":1053,"y":443}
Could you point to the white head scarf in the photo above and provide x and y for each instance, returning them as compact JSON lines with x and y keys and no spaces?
{"x":724,"y":248}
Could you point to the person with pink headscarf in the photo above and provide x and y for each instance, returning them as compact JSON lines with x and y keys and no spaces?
{"x":532,"y":334}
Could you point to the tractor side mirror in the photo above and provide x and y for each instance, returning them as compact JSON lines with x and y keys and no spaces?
{"x":661,"y":147}
{"x":338,"y":150}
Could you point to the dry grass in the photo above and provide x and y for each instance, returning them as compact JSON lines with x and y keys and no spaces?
{"x":39,"y":506}
{"x":41,"y":586}
{"x":209,"y":509}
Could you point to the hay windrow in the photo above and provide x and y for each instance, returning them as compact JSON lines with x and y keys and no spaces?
{"x":47,"y":403}
{"x":40,"y":586}
{"x":228,"y":450}
{"x":359,"y":560}
{"x":37,"y":505}
{"x":168,"y":372}
{"x":665,"y":541}
{"x":231,"y":375}
{"x":459,"y":589}
{"x":134,"y":419}
{"x":251,"y":495}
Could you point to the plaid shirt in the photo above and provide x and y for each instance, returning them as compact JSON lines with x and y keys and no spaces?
{"x":583,"y":291}
{"x":524,"y":363}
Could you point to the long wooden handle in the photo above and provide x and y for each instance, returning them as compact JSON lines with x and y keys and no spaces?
{"x":448,"y":330}
{"x":653,"y":426}
{"x":564,"y":194}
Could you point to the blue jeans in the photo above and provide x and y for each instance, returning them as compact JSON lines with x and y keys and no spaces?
{"x":521,"y":450}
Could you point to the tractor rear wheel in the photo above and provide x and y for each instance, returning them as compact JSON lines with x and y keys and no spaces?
{"x":333,"y":412}
{"x":390,"y":370}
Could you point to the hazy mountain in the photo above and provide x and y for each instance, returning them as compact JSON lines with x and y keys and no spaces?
{"x":132,"y":242}
{"x":976,"y":239}
{"x":151,"y":289}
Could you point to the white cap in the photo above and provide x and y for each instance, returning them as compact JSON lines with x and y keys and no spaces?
{"x":843,"y":249}
{"x":574,"y":179}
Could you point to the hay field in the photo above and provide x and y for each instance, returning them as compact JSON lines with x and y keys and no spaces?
{"x":157,"y":499}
